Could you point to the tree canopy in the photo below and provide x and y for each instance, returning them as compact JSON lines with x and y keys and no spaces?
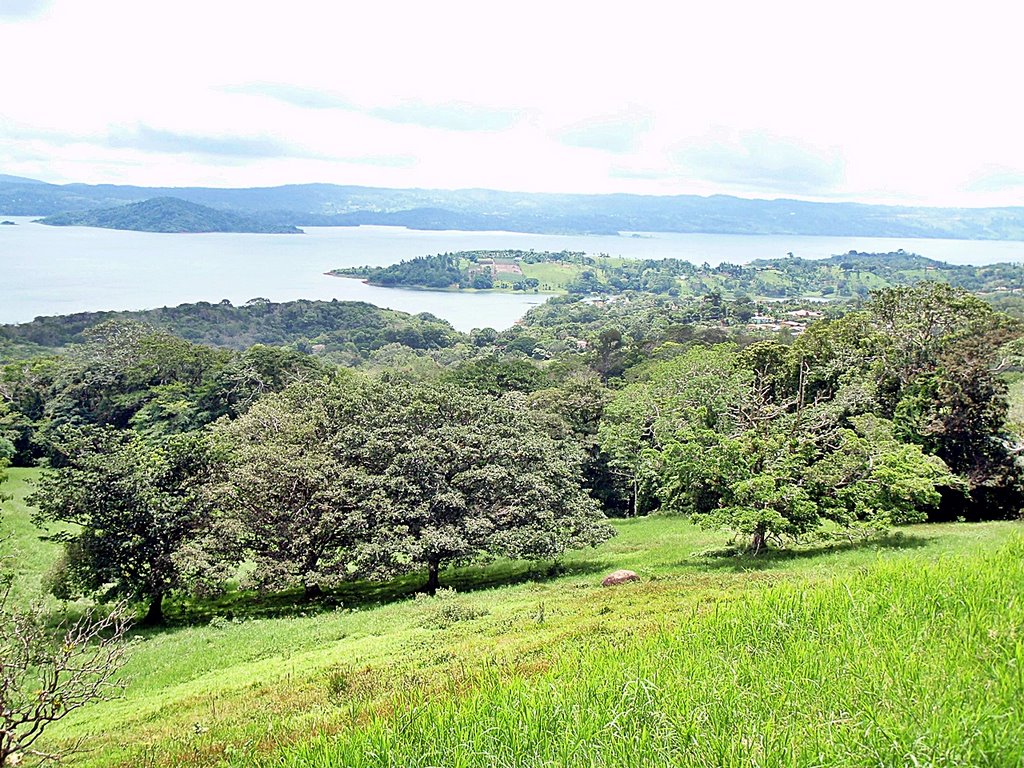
{"x":375,"y":477}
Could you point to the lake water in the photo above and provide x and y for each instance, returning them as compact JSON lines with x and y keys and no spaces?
{"x":59,"y":270}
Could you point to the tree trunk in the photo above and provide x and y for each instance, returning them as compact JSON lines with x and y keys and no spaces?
{"x":757,"y":542}
{"x":433,"y":578}
{"x":6,"y":748}
{"x":155,"y":612}
{"x":312,"y":591}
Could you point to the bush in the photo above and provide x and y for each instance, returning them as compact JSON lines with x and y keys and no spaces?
{"x":445,"y":609}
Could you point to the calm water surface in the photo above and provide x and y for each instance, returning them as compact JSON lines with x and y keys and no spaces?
{"x":59,"y":270}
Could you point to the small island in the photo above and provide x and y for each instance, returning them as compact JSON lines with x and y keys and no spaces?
{"x":170,"y":215}
{"x":850,"y":275}
{"x":7,"y":223}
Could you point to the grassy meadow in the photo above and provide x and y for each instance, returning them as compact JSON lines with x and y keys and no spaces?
{"x":903,"y":650}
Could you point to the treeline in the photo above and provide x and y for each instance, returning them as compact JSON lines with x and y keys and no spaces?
{"x":851,"y":275}
{"x":178,"y":462}
{"x":126,"y":375}
{"x":347,"y":328}
{"x":339,"y":478}
{"x":883,"y":414}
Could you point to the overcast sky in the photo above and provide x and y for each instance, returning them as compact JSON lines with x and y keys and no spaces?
{"x":874,"y":101}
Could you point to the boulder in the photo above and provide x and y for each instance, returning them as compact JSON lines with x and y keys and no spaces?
{"x":619,"y":577}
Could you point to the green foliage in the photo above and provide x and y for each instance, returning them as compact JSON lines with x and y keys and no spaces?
{"x":493,"y":376}
{"x":288,"y":490}
{"x":730,"y":438}
{"x":135,"y":507}
{"x":330,"y":326}
{"x":461,"y":479}
{"x":440,"y":271}
{"x":852,"y":275}
{"x":361,"y":477}
{"x":938,"y":380}
{"x":127,"y":375}
{"x":875,"y":478}
{"x":445,"y":608}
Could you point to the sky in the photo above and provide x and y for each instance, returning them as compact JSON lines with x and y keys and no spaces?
{"x":893,"y":102}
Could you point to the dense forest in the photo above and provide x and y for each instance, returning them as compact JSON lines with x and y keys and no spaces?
{"x":465,"y":447}
{"x":168,"y":214}
{"x":348,"y":329}
{"x":850,"y":275}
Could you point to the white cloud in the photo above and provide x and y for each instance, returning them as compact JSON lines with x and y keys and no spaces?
{"x":878,"y":101}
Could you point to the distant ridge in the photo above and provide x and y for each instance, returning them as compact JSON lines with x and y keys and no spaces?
{"x":483,"y":209}
{"x":167,"y":214}
{"x":8,"y":179}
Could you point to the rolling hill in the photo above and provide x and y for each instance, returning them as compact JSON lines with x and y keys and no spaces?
{"x":167,"y":214}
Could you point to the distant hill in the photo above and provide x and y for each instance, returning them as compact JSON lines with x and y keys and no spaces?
{"x":167,"y":214}
{"x":848,"y":275}
{"x":8,"y":179}
{"x":350,"y":327}
{"x":483,"y":209}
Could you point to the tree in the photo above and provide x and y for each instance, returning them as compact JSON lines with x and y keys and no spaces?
{"x":872,"y":477}
{"x":684,"y":400}
{"x":287,"y":481}
{"x":377,"y":477}
{"x":767,"y":443}
{"x":494,"y":376}
{"x":461,"y":478}
{"x":135,"y":507}
{"x":937,"y":369}
{"x":47,"y":675}
{"x":579,"y":401}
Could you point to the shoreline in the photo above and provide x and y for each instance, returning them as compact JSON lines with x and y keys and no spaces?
{"x":365,"y":281}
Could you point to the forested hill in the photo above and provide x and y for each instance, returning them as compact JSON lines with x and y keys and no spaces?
{"x":168,"y":214}
{"x":482,"y":209}
{"x":851,"y":274}
{"x":355,"y":327}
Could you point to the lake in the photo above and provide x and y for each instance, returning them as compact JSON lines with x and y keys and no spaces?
{"x":60,"y":270}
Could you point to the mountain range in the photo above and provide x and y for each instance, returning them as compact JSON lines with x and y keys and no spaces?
{"x":483,"y":209}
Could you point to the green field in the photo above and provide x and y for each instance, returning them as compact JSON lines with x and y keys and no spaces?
{"x":553,"y":276}
{"x":27,"y":551}
{"x":904,"y":650}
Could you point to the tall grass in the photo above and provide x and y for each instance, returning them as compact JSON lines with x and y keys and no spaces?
{"x":908,"y":663}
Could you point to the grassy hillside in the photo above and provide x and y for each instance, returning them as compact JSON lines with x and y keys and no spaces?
{"x":857,"y":654}
{"x":27,"y":550}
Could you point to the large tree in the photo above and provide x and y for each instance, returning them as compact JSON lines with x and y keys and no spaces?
{"x":376,"y":477}
{"x":462,"y":478}
{"x":290,"y":485}
{"x":135,"y":507}
{"x":937,"y":366}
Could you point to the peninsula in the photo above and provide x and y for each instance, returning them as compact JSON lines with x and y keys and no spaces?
{"x":849,"y":275}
